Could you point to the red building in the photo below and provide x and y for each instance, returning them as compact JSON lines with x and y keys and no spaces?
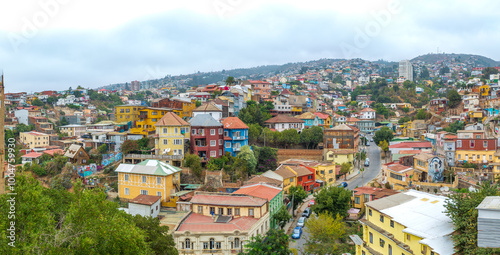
{"x":306,"y":176}
{"x":207,"y":137}
{"x":261,"y":88}
{"x":49,"y":93}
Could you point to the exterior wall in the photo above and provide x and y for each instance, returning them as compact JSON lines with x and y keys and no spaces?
{"x":274,"y":205}
{"x":145,"y":210}
{"x":135,"y":185}
{"x":73,"y":130}
{"x":287,"y":183}
{"x":207,"y":151}
{"x":167,"y":135}
{"x":34,"y":141}
{"x":147,"y":119}
{"x":345,"y":139}
{"x":236,"y":141}
{"x":126,"y":113}
{"x":284,"y":126}
{"x":373,"y":226}
{"x":326,"y":173}
{"x":258,"y":212}
{"x":22,"y":116}
{"x":226,"y":239}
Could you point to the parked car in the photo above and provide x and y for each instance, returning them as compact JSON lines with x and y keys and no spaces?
{"x":367,"y":143}
{"x":297,"y":232}
{"x":306,"y":213}
{"x":343,"y":185}
{"x":371,"y":140}
{"x":301,"y":222}
{"x":367,"y":162}
{"x":311,"y":203}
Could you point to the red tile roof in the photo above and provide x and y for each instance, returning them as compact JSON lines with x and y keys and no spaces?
{"x":284,"y":119}
{"x":322,"y":115}
{"x":367,"y":110}
{"x":55,"y":151}
{"x":409,"y":151}
{"x":259,"y":190}
{"x":226,"y":199}
{"x":201,"y":223}
{"x":264,"y":179}
{"x":234,"y":123}
{"x":145,"y":199}
{"x":398,"y":168}
{"x":412,"y":145}
{"x":171,"y":119}
{"x":32,"y":155}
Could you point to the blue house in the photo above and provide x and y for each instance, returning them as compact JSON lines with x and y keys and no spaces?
{"x":309,"y":119}
{"x":235,"y":135}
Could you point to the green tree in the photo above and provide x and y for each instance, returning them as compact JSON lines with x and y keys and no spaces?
{"x":64,"y":121}
{"x":52,"y":100}
{"x":332,"y":199}
{"x":455,"y":126}
{"x":102,"y":149}
{"x":404,"y":119}
{"x":290,"y":137}
{"x":487,"y":71}
{"x":230,"y":80}
{"x":282,"y":217}
{"x":454,"y":99}
{"x":216,"y":164}
{"x":254,"y":131}
{"x":194,"y":163}
{"x":198,"y":103}
{"x":385,"y":133}
{"x":275,"y":242}
{"x":129,"y":146}
{"x":461,"y":208}
{"x":37,"y":102}
{"x":384,"y":145}
{"x":345,"y":168}
{"x":406,"y":110}
{"x":324,"y":231}
{"x":422,"y":114}
{"x":425,"y":73}
{"x":158,"y":238}
{"x":266,"y":158}
{"x":297,"y":194}
{"x":248,"y":156}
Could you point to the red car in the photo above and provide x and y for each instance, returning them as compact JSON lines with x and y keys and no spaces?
{"x":311,"y":203}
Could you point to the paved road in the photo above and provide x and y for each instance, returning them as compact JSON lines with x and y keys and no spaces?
{"x":373,"y":153}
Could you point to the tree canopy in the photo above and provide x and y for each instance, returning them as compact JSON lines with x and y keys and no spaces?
{"x":282,"y":217}
{"x":274,"y":242}
{"x":454,"y":99}
{"x":323,"y":232}
{"x":384,"y":133}
{"x":332,"y":199}
{"x":297,"y":194}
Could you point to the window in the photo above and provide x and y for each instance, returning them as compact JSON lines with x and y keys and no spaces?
{"x":237,"y":211}
{"x":127,"y":191}
{"x":408,"y":237}
{"x":200,"y":132}
{"x":144,"y":192}
{"x":213,"y":154}
{"x":165,"y":141}
{"x":485,"y":144}
{"x":218,"y":245}
{"x":291,"y":179}
{"x":371,"y":237}
{"x":177,"y":141}
{"x":424,"y":249}
{"x":381,"y":218}
{"x":392,"y":223}
{"x":390,"y":249}
{"x":459,"y":143}
{"x":126,"y":177}
{"x":158,"y":180}
{"x":236,"y":243}
{"x":220,"y":142}
{"x":212,"y":131}
{"x":220,"y":152}
{"x":226,"y":133}
{"x":205,"y":245}
{"x":220,"y":131}
{"x":193,"y":131}
{"x":221,"y":211}
{"x":366,"y":197}
{"x":213,"y":143}
{"x":356,"y":200}
{"x":154,"y":120}
{"x":200,"y":209}
{"x":300,"y":179}
{"x":212,"y":210}
{"x":212,"y":243}
{"x":228,"y":145}
{"x":144,"y":179}
{"x":250,"y":212}
{"x":229,"y":211}
{"x":187,"y":244}
{"x":370,"y":212}
{"x":472,"y":143}
{"x":382,"y":243}
{"x":176,"y":130}
{"x":491,"y":157}
{"x":165,"y":130}
{"x":158,"y":193}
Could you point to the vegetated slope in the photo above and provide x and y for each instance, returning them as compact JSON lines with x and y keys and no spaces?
{"x":475,"y":60}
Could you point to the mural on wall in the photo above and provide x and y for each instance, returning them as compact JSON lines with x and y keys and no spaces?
{"x":436,"y":168}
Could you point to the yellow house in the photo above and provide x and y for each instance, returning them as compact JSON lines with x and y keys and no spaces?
{"x":341,"y":156}
{"x":126,"y":113}
{"x":397,"y":175}
{"x":325,"y":172}
{"x":148,"y":117}
{"x":208,"y":203}
{"x":407,"y":223}
{"x":484,"y":90}
{"x":34,"y":139}
{"x":150,"y":177}
{"x":289,"y":177}
{"x":296,"y":110}
{"x":187,"y":109}
{"x":172,"y":133}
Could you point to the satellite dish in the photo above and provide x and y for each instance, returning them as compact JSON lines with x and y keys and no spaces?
{"x":165,"y":151}
{"x":446,"y":188}
{"x":472,"y":189}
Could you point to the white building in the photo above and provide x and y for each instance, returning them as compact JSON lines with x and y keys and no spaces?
{"x":145,"y":205}
{"x":406,"y":69}
{"x":368,"y":113}
{"x":284,"y":122}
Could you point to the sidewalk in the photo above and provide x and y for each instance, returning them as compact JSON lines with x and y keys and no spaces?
{"x":298,"y":213}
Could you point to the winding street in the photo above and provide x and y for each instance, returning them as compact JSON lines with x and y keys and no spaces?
{"x":373,"y":153}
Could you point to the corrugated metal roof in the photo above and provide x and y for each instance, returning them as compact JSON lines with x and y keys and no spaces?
{"x":490,"y":203}
{"x":150,"y":167}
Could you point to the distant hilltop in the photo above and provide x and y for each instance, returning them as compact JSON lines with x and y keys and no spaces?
{"x":474,"y":60}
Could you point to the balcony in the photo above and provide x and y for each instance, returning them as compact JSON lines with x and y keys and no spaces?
{"x":240,"y":137}
{"x":143,"y":116}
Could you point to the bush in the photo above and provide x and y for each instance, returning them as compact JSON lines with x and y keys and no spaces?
{"x":38,"y":170}
{"x":387,"y":185}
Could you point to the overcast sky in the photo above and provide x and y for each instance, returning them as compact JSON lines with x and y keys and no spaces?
{"x":55,"y":44}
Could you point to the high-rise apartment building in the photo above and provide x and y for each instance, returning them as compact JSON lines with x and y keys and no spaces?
{"x":135,"y":85}
{"x":406,"y":69}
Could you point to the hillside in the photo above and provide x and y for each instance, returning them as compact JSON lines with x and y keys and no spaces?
{"x":475,"y":60}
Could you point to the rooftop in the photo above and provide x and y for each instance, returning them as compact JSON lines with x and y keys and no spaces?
{"x":145,"y":199}
{"x":490,"y":203}
{"x":224,"y":199}
{"x":149,"y":167}
{"x":171,"y":119}
{"x":207,"y":107}
{"x":281,"y":118}
{"x":234,"y":123}
{"x":201,"y":223}
{"x":411,"y":145}
{"x":204,"y":120}
{"x":263,"y":191}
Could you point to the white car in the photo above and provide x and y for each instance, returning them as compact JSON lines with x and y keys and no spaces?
{"x":301,"y":222}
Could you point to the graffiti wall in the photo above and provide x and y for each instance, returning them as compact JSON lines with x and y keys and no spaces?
{"x":108,"y":159}
{"x":436,"y":168}
{"x":85,"y":171}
